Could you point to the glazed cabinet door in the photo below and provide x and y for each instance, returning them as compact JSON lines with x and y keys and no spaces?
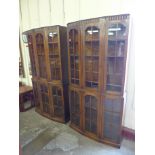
{"x":91,"y":36}
{"x":117,"y":34}
{"x":44,"y":96}
{"x":32,"y":54}
{"x":58,"y":101}
{"x":74,"y":100}
{"x":40,"y":48}
{"x":90,"y":105}
{"x":54,"y":55}
{"x":112,"y":118}
{"x":36,"y":94}
{"x":74,"y":55}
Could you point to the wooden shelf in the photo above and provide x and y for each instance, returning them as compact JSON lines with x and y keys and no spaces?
{"x":115,"y":57}
{"x":93,"y":40}
{"x":55,"y":42}
{"x":114,"y":85}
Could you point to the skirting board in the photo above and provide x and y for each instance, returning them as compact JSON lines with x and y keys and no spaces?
{"x":128,"y":133}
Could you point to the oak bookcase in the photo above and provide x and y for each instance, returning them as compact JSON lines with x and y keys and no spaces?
{"x":49,"y":63}
{"x":97,"y":50}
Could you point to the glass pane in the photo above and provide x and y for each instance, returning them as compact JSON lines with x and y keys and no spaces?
{"x":110,"y":66}
{"x":114,"y":79}
{"x":52,"y":37}
{"x":112,"y":87}
{"x":122,"y":29}
{"x":44,"y":99}
{"x":88,"y":34}
{"x":88,"y":84}
{"x":55,"y":68}
{"x":41,"y":55}
{"x":59,"y":92}
{"x":88,"y":49}
{"x":53,"y":49}
{"x":59,"y":101}
{"x":115,"y":56}
{"x":75,"y":108}
{"x":93,"y":102}
{"x":42,"y":66}
{"x":76,"y":74}
{"x":116,"y":29}
{"x":87,"y":125}
{"x":88,"y":76}
{"x":95,"y":48}
{"x":94,"y":127}
{"x":91,"y":113}
{"x":89,"y":64}
{"x":74,"y":56}
{"x":54,"y":55}
{"x":55,"y":100}
{"x":108,"y":105}
{"x":107,"y":117}
{"x":76,"y":62}
{"x":35,"y":91}
{"x":117,"y":105}
{"x":91,"y":56}
{"x":87,"y":113}
{"x":95,"y":32}
{"x":57,"y":96}
{"x":112,"y":118}
{"x":75,"y":120}
{"x":120,"y":48}
{"x":39,"y":39}
{"x":112,"y":132}
{"x":95,"y":76}
{"x":116,"y":119}
{"x":58,"y":112}
{"x":87,"y":101}
{"x":40,"y":43}
{"x":43,"y":88}
{"x":119,"y":66}
{"x":76,"y":65}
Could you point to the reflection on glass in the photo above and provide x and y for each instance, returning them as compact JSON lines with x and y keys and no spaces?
{"x":115,"y":56}
{"x":117,"y":29}
{"x":52,"y":37}
{"x":92,"y":33}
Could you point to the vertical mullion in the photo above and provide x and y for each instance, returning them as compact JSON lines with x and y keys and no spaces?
{"x":74,"y":54}
{"x":57,"y":95}
{"x":92,"y":56}
{"x":90,"y":114}
{"x":53,"y":60}
{"x":74,"y":101}
{"x":54,"y":63}
{"x":115,"y":51}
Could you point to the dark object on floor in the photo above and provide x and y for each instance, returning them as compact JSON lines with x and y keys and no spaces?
{"x":25,"y":95}
{"x":128,"y":133}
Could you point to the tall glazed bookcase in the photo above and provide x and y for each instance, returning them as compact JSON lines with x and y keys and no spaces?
{"x":49,"y":64}
{"x":97,"y":50}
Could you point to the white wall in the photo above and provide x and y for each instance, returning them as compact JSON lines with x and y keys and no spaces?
{"x":37,"y":13}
